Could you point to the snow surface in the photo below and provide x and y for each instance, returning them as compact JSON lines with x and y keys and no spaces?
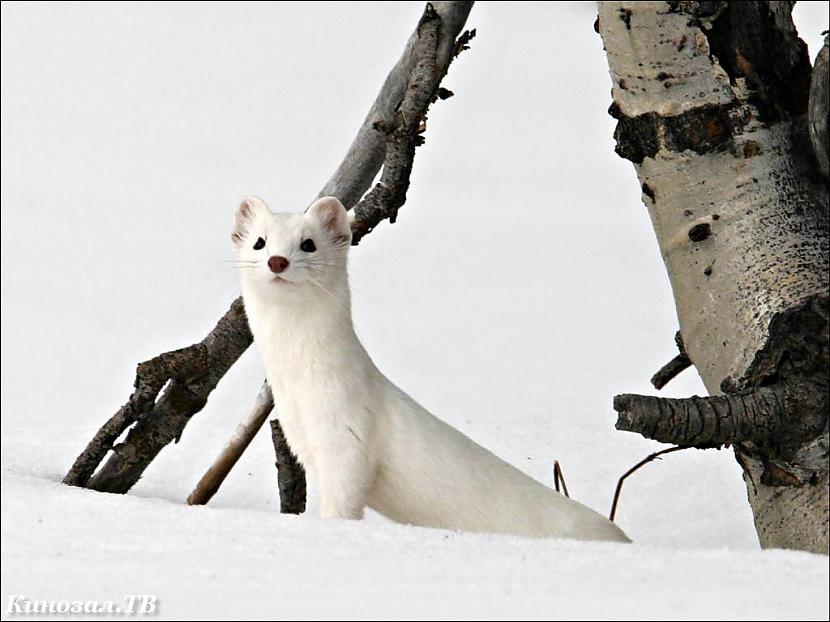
{"x":519,"y":291}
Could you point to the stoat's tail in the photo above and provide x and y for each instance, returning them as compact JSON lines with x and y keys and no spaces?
{"x":512,"y":502}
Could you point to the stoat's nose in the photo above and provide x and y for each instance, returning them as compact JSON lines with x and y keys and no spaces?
{"x":277,"y":264}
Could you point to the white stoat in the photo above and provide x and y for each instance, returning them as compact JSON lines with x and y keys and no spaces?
{"x":363,"y":440}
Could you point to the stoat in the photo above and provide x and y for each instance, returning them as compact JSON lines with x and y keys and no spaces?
{"x":363,"y":440}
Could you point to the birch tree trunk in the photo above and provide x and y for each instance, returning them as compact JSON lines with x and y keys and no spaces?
{"x":711,"y":102}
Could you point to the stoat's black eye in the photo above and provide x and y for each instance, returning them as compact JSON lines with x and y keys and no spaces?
{"x":308,"y":246}
{"x":260,"y":244}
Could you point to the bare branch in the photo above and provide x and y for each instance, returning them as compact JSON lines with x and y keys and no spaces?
{"x":242,"y":437}
{"x":756,"y":416}
{"x":368,"y":149}
{"x":404,"y":131}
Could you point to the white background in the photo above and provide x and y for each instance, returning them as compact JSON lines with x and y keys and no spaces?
{"x":521,"y":288}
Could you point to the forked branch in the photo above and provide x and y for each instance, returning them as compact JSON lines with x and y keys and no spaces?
{"x":189,"y":374}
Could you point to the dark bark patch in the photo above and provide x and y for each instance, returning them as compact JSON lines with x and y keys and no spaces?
{"x":757,"y":41}
{"x":625,"y":16}
{"x":751,"y":149}
{"x":775,"y":475}
{"x":700,"y":232}
{"x":703,"y":130}
{"x":797,"y":355}
{"x":698,"y":10}
{"x":648,"y":191}
{"x":443,"y":93}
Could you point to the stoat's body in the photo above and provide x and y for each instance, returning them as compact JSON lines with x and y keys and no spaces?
{"x":363,"y":440}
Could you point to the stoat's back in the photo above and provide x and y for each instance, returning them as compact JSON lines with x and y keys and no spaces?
{"x":430,"y":474}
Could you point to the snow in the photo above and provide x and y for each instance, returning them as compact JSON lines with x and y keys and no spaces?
{"x":519,"y":291}
{"x":257,"y":564}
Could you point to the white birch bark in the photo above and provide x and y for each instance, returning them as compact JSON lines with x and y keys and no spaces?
{"x":738,"y":225}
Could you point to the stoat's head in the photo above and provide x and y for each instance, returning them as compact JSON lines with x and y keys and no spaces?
{"x":292,"y":252}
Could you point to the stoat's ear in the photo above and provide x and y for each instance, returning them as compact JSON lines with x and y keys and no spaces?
{"x":333,"y":219}
{"x":249,"y":210}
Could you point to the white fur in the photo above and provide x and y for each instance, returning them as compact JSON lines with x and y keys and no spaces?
{"x":363,"y":440}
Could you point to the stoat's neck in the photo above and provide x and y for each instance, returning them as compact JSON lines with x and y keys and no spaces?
{"x":303,"y":310}
{"x":304,"y":330}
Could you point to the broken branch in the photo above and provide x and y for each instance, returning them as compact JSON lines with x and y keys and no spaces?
{"x":671,"y":369}
{"x":242,"y":437}
{"x":290,"y":473}
{"x":755,"y":415}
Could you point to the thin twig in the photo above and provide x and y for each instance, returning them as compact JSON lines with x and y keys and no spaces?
{"x":559,"y":478}
{"x":641,"y":463}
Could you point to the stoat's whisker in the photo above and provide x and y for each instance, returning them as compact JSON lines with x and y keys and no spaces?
{"x":320,"y":285}
{"x":324,"y":265}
